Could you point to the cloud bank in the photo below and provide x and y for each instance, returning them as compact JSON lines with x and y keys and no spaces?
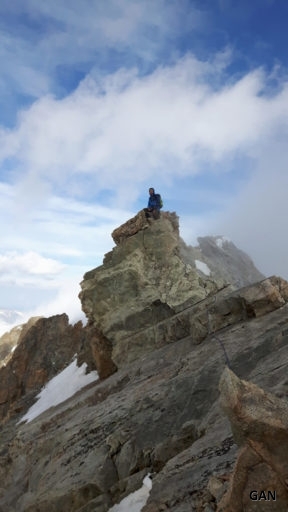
{"x":173,"y":122}
{"x":113,"y":101}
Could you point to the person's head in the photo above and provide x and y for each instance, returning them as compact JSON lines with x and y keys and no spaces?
{"x":151,"y":191}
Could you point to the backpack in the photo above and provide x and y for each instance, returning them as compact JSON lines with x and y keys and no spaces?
{"x":160,"y":202}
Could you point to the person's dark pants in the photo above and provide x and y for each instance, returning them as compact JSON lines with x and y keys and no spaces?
{"x":155,"y":213}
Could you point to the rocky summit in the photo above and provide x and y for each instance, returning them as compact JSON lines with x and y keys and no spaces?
{"x":190,"y":345}
{"x":141,"y":295}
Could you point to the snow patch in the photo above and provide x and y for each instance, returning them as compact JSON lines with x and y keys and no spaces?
{"x":136,"y":500}
{"x":221,"y":240}
{"x":200,"y":265}
{"x":9,"y":319}
{"x":63,"y":386}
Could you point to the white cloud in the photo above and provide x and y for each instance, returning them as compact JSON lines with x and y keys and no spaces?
{"x":65,"y":300}
{"x":171,"y":121}
{"x":54,"y":226}
{"x":41,"y":298}
{"x":60,"y":240}
{"x":58,"y":38}
{"x":257,"y":219}
{"x":28,"y":263}
{"x":117,"y":134}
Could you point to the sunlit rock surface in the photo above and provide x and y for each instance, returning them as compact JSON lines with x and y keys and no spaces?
{"x":156,"y":409}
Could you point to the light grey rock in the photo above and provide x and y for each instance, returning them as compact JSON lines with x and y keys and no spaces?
{"x":224,"y":260}
{"x":259,"y":423}
{"x":160,"y":412}
{"x":148,"y":278}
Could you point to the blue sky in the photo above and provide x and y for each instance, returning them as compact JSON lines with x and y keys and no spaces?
{"x":102,"y":99}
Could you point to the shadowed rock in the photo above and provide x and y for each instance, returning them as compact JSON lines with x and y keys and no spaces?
{"x":46,"y":346}
{"x":101,"y":349}
{"x":165,"y":323}
{"x":10,"y":340}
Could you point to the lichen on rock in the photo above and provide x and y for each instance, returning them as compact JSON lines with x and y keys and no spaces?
{"x":143,"y":280}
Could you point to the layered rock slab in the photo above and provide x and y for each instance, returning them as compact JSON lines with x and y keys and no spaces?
{"x":259,"y":422}
{"x":142,"y":281}
{"x":161,"y":411}
{"x":160,"y":414}
{"x":140,"y":297}
{"x":197,"y":478}
{"x":207,"y":317}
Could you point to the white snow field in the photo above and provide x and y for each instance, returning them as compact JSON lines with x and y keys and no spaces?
{"x":200,"y":265}
{"x":61,"y":387}
{"x":136,"y":500}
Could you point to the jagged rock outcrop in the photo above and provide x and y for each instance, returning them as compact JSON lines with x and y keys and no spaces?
{"x":101,"y":351}
{"x":223,"y":309}
{"x":147,"y":293}
{"x":10,"y":340}
{"x":45,"y":347}
{"x":130,"y":228}
{"x":259,"y":423}
{"x":223,"y":259}
{"x":41,"y":349}
{"x":160,"y":412}
{"x":142,"y":281}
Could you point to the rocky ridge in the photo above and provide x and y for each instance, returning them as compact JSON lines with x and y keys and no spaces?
{"x":161,"y":411}
{"x":224,"y":260}
{"x":10,"y":340}
{"x":151,"y":277}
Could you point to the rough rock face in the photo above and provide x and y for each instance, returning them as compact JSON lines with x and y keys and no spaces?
{"x":47,"y":345}
{"x":150,"y":277}
{"x":143,"y":280}
{"x":160,"y":412}
{"x":259,"y":423}
{"x":9,"y":340}
{"x":209,"y":315}
{"x":101,"y":351}
{"x":224,"y":260}
{"x":131,"y":227}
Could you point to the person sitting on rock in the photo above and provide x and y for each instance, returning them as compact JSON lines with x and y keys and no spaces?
{"x":154,"y":205}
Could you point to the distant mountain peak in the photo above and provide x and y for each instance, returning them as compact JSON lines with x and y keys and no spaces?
{"x":10,"y":316}
{"x":223,"y":259}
